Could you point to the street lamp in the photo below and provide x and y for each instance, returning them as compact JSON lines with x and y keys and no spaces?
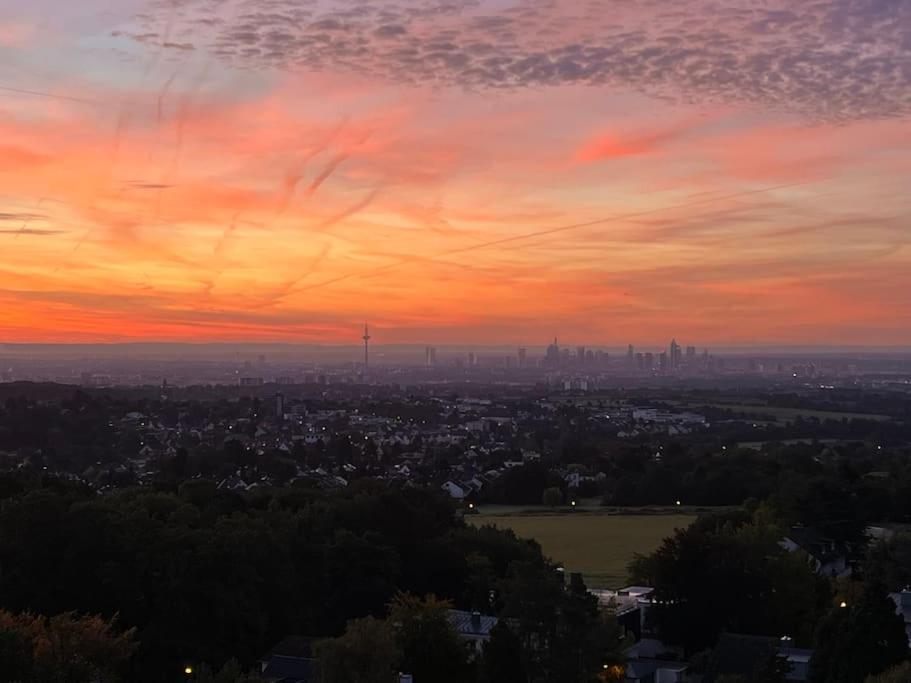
{"x":188,"y":670}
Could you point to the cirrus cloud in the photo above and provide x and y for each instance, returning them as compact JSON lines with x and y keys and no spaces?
{"x":833,"y":60}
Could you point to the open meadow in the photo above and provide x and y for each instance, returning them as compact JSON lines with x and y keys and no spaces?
{"x":597,"y":544}
{"x":784,"y":414}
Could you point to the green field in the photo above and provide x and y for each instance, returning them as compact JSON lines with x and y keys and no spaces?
{"x":758,"y":445}
{"x":788,"y":414}
{"x":598,"y":545}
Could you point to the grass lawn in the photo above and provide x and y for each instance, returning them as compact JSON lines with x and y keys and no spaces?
{"x":790,"y":414}
{"x":757,"y":445}
{"x":598,"y":545}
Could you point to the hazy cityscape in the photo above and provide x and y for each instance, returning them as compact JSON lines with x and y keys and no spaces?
{"x":571,"y":367}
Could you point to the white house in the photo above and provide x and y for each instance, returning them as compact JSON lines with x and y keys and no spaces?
{"x":454,"y":490}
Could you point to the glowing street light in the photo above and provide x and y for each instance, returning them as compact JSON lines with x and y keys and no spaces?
{"x":843,"y":604}
{"x":188,"y":670}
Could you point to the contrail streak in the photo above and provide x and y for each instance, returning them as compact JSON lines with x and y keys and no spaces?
{"x":549,"y":231}
{"x":28,"y":220}
{"x":350,"y":211}
{"x":226,"y":235}
{"x":38,"y":93}
{"x":330,"y":168}
{"x":164,"y":93}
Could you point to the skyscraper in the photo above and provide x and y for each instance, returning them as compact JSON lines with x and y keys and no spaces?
{"x":366,"y":339}
{"x":523,"y":357}
{"x":676,"y":354}
{"x":430,"y":356}
{"x":580,"y":355}
{"x":630,"y":355}
{"x":552,"y":356}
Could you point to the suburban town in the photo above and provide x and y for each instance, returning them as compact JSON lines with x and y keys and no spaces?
{"x":718,"y":464}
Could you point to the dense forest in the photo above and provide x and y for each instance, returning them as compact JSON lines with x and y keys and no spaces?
{"x":206,"y":576}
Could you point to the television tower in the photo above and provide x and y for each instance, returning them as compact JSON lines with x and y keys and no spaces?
{"x":366,"y":339}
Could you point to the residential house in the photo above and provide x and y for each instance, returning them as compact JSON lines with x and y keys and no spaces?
{"x":291,"y":661}
{"x":903,"y":609}
{"x":472,"y":627}
{"x":651,"y":661}
{"x":742,"y":655}
{"x":629,"y":606}
{"x":454,"y":490}
{"x":828,"y":557}
{"x":655,"y":671}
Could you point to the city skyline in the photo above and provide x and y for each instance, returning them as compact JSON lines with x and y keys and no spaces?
{"x":457,"y":173}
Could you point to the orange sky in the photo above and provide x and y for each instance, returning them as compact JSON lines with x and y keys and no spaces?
{"x":197,"y":171}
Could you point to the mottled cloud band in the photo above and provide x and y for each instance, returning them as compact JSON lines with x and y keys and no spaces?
{"x":826,"y":59}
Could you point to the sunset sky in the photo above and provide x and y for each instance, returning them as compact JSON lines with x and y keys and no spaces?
{"x":465,"y":171}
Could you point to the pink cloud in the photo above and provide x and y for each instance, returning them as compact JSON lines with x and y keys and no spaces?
{"x":15,"y":33}
{"x":456,"y":212}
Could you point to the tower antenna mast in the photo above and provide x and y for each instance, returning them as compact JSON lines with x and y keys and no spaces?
{"x":366,"y":339}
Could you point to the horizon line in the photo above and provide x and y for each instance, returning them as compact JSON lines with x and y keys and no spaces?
{"x":460,"y":345}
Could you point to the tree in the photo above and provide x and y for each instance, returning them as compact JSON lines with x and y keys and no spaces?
{"x":532,"y":596}
{"x":231,"y":672}
{"x":502,"y":658}
{"x":860,"y":640}
{"x":366,"y":653}
{"x":897,"y":674}
{"x":584,"y":641}
{"x":772,"y":669}
{"x":198,"y":492}
{"x":890,"y":561}
{"x":205,"y":578}
{"x":431,"y":649}
{"x":16,"y":656}
{"x":64,"y":648}
{"x":479,"y":581}
{"x":522,"y":485}
{"x":552,"y":497}
{"x":728,"y":574}
{"x":564,"y":638}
